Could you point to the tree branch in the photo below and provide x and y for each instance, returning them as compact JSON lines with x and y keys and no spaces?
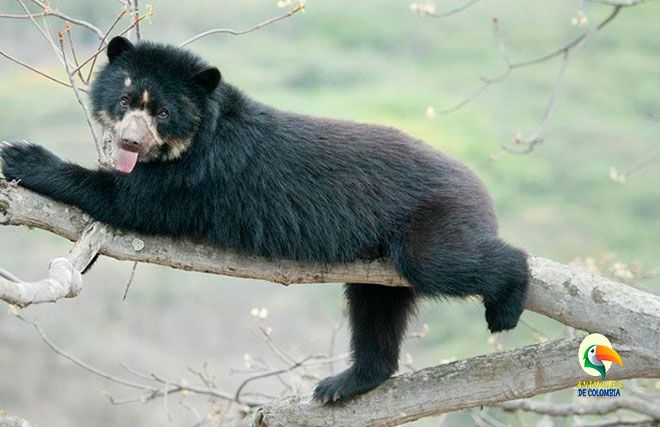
{"x":31,"y":68}
{"x":429,"y":10}
{"x":482,"y":380}
{"x":597,"y":407}
{"x":64,"y":279}
{"x":298,"y":7}
{"x":48,"y":11}
{"x":526,"y":144}
{"x":624,"y":3}
{"x":19,"y":206}
{"x":7,"y":420}
{"x":530,"y":141}
{"x":628,"y":316}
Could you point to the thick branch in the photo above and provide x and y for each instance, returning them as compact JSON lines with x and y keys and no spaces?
{"x":597,"y":407}
{"x":64,"y":279}
{"x":482,"y":380}
{"x":19,"y":206}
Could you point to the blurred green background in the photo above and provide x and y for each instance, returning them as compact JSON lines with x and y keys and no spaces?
{"x":372,"y":61}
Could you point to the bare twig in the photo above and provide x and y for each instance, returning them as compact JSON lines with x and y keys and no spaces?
{"x":333,"y":339}
{"x":102,"y":49}
{"x":102,"y":43}
{"x":79,"y":362}
{"x":570,"y":44}
{"x":424,"y":12}
{"x":641,"y":164}
{"x":48,"y":11}
{"x":73,"y":52}
{"x":597,"y":407}
{"x":623,"y":3}
{"x":177,"y":387}
{"x":42,"y":31}
{"x":130,"y":280}
{"x":295,"y":9}
{"x":31,"y":68}
{"x":567,"y":50}
{"x":463,"y":102}
{"x":88,"y":117}
{"x":18,"y":16}
{"x":136,"y":11}
{"x":276,"y":372}
{"x":533,"y":328}
{"x":203,"y":376}
{"x":150,"y":391}
{"x":536,"y":137}
{"x":9,"y":276}
{"x":281,"y":354}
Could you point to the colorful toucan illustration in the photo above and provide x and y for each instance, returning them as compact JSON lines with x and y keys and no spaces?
{"x":595,"y":354}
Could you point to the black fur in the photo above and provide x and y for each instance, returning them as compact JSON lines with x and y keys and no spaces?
{"x":274,"y":183}
{"x":378,"y":317}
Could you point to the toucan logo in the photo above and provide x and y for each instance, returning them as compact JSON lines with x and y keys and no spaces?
{"x":596,"y":355}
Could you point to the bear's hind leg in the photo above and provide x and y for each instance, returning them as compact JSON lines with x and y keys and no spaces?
{"x":506,"y":302}
{"x":447,"y":253}
{"x":378,"y":317}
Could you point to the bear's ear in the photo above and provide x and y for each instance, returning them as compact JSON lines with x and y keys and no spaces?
{"x":117,"y":46}
{"x":208,"y":78}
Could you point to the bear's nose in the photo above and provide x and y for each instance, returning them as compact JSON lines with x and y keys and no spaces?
{"x":132,"y":137}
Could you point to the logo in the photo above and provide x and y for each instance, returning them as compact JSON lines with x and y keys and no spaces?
{"x":596,"y":355}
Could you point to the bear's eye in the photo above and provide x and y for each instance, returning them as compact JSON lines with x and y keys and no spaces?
{"x":123,"y":102}
{"x":163,"y":114}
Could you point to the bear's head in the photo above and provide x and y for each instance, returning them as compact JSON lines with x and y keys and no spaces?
{"x":154,"y":97}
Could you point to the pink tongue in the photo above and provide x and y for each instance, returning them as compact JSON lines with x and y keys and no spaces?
{"x":126,"y":160}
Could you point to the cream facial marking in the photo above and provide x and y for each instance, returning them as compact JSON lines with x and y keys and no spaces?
{"x":177,"y":147}
{"x":136,"y":117}
{"x":145,"y":98}
{"x":106,"y":120}
{"x":127,"y":82}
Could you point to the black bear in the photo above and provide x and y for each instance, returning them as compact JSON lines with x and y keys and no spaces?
{"x":199,"y":159}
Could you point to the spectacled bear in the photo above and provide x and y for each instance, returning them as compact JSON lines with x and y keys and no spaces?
{"x":197,"y":158}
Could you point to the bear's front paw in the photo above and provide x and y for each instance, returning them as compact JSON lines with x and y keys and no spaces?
{"x":22,"y":160}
